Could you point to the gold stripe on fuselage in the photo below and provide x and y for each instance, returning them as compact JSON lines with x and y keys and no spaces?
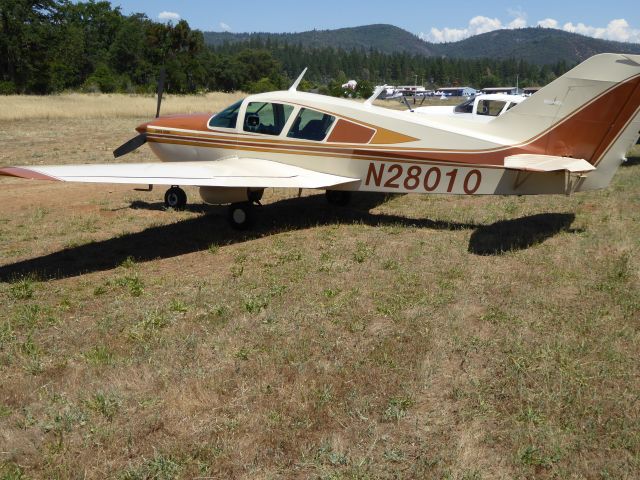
{"x":346,"y":154}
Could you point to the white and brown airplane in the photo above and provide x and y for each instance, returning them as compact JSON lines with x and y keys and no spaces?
{"x":571,"y":136}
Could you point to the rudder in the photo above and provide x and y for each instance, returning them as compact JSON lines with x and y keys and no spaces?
{"x":590,"y":113}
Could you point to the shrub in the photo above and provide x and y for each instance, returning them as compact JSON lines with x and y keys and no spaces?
{"x":7,"y":88}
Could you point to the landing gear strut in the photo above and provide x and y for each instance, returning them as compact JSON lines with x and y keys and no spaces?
{"x":338,"y":197}
{"x":175,"y":198}
{"x":241,"y":215}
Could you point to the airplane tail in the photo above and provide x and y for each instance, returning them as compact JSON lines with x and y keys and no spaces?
{"x":591,"y":112}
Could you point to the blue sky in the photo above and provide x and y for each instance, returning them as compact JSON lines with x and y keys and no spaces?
{"x":433,"y":21}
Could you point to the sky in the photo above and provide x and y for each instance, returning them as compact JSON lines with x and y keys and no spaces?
{"x":433,"y":21}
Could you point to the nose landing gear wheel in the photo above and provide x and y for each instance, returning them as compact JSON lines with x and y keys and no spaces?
{"x":241,"y":215}
{"x":175,"y":198}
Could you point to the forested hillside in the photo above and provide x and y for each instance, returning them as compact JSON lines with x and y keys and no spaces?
{"x":331,"y":66}
{"x":535,"y":45}
{"x":540,"y":46}
{"x":48,"y":46}
{"x":382,"y":38}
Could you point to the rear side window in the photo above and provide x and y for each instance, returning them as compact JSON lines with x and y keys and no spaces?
{"x":311,"y":125}
{"x":227,"y":118}
{"x":266,"y":118}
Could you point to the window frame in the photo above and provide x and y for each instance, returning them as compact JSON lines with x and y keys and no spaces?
{"x":230,"y":129}
{"x":241,"y":129}
{"x":490,"y":102}
{"x":294,"y":116}
{"x":242,"y":112}
{"x":467,"y":103}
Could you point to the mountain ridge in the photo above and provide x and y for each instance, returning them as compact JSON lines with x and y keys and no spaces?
{"x":384,"y":38}
{"x":533,"y":44}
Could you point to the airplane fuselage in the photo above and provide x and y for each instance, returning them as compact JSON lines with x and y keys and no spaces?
{"x":405,"y":152}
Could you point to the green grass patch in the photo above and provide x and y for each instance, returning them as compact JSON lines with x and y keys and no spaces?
{"x":99,"y":355}
{"x":132,"y":283}
{"x":22,"y":289}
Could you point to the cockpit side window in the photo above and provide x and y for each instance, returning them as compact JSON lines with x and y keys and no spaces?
{"x":227,"y":118}
{"x":465,"y":107}
{"x":490,"y":107}
{"x":311,"y":125}
{"x":266,"y":118}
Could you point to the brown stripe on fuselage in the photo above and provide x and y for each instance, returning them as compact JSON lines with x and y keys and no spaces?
{"x":197,"y":122}
{"x":588,"y":133}
{"x":600,"y":157}
{"x":316,"y":148}
{"x":349,"y":153}
{"x":625,"y":116}
{"x":369,"y":158}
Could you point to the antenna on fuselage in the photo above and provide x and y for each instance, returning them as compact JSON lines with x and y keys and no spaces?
{"x":375,"y":94}
{"x":293,"y":87}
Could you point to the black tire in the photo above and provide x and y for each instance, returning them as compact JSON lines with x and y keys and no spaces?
{"x":240,"y":215}
{"x":175,"y":198}
{"x":338,"y":197}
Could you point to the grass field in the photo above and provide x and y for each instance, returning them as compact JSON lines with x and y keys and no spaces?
{"x":80,"y":106}
{"x":401,"y":337}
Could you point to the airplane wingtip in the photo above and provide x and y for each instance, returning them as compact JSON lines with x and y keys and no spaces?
{"x":25,"y":173}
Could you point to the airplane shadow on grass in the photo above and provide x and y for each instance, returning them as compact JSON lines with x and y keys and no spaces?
{"x":200,"y":233}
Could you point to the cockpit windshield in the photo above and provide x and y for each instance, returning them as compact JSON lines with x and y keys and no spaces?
{"x":227,"y":118}
{"x":465,"y":107}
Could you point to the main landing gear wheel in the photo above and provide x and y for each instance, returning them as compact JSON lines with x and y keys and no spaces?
{"x":338,"y":197}
{"x":241,"y":215}
{"x":175,"y":198}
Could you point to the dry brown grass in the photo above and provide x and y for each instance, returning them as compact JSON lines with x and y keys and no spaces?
{"x":407,"y":337}
{"x":80,"y":105}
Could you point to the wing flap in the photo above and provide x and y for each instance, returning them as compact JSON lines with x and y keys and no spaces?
{"x":547,"y":163}
{"x":230,"y":172}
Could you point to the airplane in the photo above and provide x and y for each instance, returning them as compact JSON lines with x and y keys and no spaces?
{"x":481,"y":108}
{"x":569,"y":137}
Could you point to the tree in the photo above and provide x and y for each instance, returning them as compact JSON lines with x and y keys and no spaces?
{"x":25,"y":34}
{"x":364,"y":89}
{"x":263,"y":85}
{"x":258,"y":64}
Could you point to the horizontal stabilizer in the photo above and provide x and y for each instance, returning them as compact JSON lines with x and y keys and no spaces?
{"x":230,"y":172}
{"x":547,"y":163}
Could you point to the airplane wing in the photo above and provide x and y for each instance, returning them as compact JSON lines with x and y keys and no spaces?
{"x":547,"y":163}
{"x":229,"y":172}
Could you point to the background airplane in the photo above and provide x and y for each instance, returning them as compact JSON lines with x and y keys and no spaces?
{"x":571,"y":136}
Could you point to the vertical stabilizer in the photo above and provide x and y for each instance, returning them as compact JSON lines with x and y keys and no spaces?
{"x":590,"y":113}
